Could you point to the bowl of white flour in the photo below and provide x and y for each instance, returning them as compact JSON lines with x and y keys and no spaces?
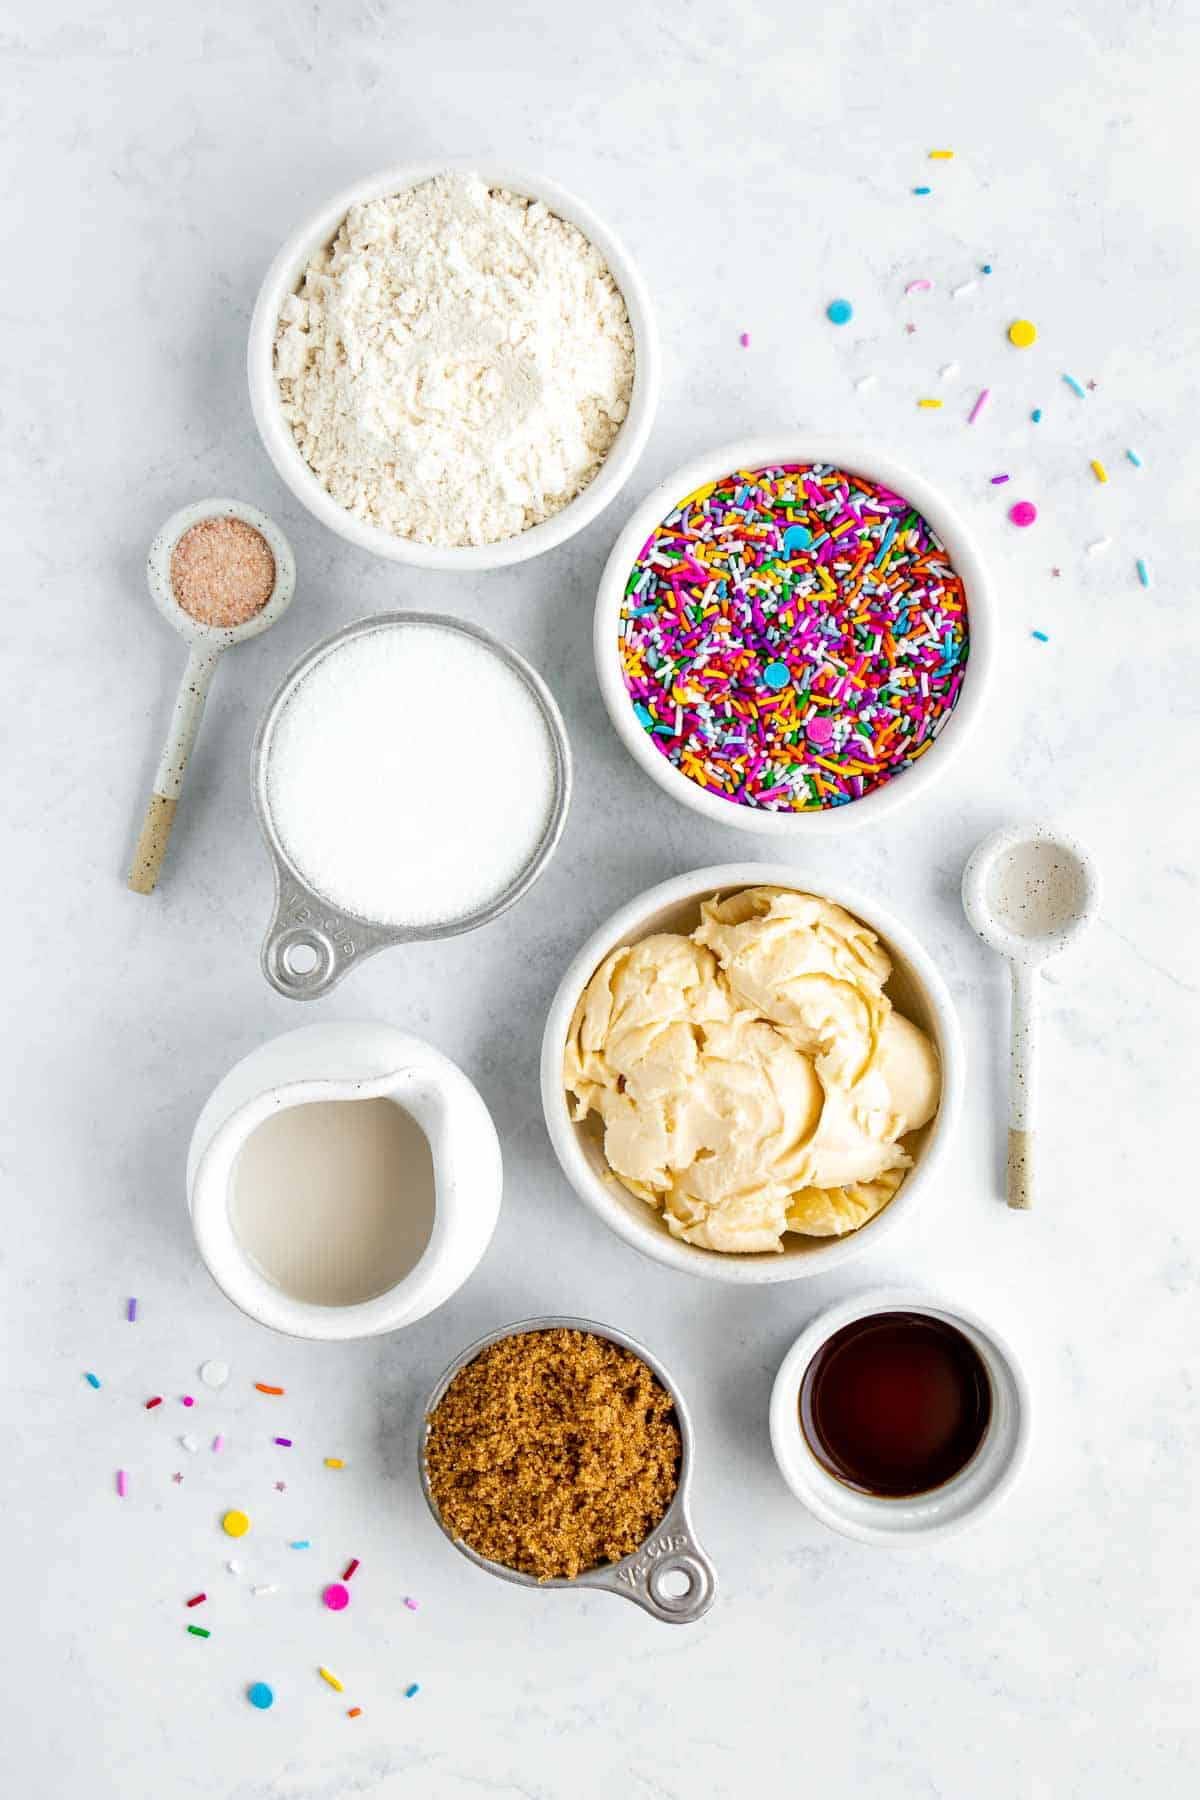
{"x":453,"y":368}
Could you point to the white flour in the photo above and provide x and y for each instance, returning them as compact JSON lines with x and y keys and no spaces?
{"x":411,"y":775}
{"x":456,"y":365}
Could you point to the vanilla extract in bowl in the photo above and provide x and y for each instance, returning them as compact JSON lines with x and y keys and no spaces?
{"x":896,"y":1404}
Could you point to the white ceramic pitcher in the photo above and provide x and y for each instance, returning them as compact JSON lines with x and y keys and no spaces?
{"x":362,"y":1060}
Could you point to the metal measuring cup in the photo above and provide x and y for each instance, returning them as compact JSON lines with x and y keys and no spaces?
{"x":311,"y":942}
{"x":671,"y":1549}
{"x":206,"y":645}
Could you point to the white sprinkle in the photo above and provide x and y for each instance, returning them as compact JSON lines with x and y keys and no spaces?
{"x":214,"y":1373}
{"x":965,"y":287}
{"x":866,"y":381}
{"x":189,"y":1443}
{"x":235,"y":1568}
{"x":949,"y":370}
{"x":1100,"y":544}
{"x":270,"y":1588}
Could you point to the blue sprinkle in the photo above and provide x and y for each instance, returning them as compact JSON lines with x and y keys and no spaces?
{"x":301,"y":1544}
{"x":92,"y":1380}
{"x":1075,"y":387}
{"x":1040,"y":636}
{"x":410,"y":1691}
{"x":922,"y":190}
{"x":642,"y":716}
{"x":987,"y":268}
{"x":1143,"y":572}
{"x":839,"y":312}
{"x":1134,"y":458}
{"x":796,"y":537}
{"x":1036,"y":415}
{"x":260,"y":1695}
{"x":777,"y":675}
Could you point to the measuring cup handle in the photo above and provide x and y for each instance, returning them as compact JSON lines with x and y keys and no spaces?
{"x":309,"y":946}
{"x":669,"y":1552}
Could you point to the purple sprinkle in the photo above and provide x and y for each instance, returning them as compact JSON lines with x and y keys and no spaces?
{"x":286,"y":1442}
{"x":744,"y":340}
{"x":131,"y":1311}
{"x":997,"y":479}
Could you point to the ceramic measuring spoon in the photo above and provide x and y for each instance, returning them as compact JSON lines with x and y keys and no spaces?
{"x":205,"y":645}
{"x":1029,"y":892}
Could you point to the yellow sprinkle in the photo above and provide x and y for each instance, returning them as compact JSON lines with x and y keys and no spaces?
{"x":941,"y":156}
{"x":1099,"y":471}
{"x":929,"y":403}
{"x":331,"y":1678}
{"x":334,"y":1462}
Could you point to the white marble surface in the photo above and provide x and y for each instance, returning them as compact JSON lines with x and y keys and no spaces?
{"x":758,"y":158}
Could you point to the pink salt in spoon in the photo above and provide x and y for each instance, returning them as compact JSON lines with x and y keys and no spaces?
{"x":220,"y":572}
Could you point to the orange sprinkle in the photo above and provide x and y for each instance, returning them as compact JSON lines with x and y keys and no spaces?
{"x":264,"y":1389}
{"x":354,"y":1712}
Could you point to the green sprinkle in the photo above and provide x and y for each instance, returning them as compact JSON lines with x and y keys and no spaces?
{"x":198,"y":1631}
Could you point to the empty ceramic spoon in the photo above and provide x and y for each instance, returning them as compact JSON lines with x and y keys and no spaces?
{"x":1029,"y":892}
{"x":221,"y":589}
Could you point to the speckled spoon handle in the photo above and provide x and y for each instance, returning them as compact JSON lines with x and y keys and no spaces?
{"x":1023,"y":1068}
{"x":160,"y":814}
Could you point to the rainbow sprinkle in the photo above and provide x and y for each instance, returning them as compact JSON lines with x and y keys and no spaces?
{"x":794,"y":637}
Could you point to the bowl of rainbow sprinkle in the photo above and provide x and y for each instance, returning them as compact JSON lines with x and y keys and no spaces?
{"x":794,"y":636}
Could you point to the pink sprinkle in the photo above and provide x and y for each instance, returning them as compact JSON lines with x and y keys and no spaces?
{"x":984,"y":396}
{"x":410,"y":1603}
{"x":218,"y":1443}
{"x":918,"y":287}
{"x":188,"y":1401}
{"x":744,"y":340}
{"x":121,"y":1482}
{"x":997,"y":480}
{"x":1023,"y":513}
{"x":819,"y":730}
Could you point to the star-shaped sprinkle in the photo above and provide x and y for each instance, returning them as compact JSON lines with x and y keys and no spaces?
{"x":911,"y":329}
{"x":1091,"y":387}
{"x":177,"y":1477}
{"x":1056,"y":573}
{"x":281,"y":1487}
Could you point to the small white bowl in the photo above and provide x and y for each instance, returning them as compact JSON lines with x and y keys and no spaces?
{"x":282,"y":279}
{"x":917,"y":990}
{"x":767,"y":452}
{"x":962,"y":1501}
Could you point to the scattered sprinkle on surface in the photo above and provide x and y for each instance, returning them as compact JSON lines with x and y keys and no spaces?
{"x":214,"y":1373}
{"x":922,"y":190}
{"x":281,"y":1487}
{"x":1023,"y":512}
{"x":411,"y":1604}
{"x":1022,"y":333}
{"x":929,"y":403}
{"x":218,"y":1442}
{"x":177,"y":1477}
{"x":987,"y":268}
{"x":911,"y":329}
{"x":413,"y":1688}
{"x":1134,"y":458}
{"x":949,"y":371}
{"x":334,"y":1462}
{"x":284,"y":1443}
{"x":236,"y":1523}
{"x":1099,"y":470}
{"x":263,"y":1388}
{"x":998,"y":480}
{"x":1055,"y":574}
{"x":235,"y":1568}
{"x":329,"y":1676}
{"x":122,"y":1483}
{"x":348,"y":1571}
{"x":819,"y":568}
{"x":131,"y":1311}
{"x":744,"y":340}
{"x":839,"y":312}
{"x":964,"y":287}
{"x":1076,"y":387}
{"x":260,"y":1695}
{"x":301,"y":1544}
{"x":189,"y":1400}
{"x":199,"y":1631}
{"x":197,"y":1599}
{"x":188,"y":1442}
{"x":266,"y":1587}
{"x":1036,"y":415}
{"x":1040,"y":636}
{"x":1097,"y":545}
{"x":92,"y":1380}
{"x":1143,"y":571}
{"x":157,"y":1401}
{"x":354,"y":1712}
{"x":921,"y":286}
{"x":985,"y":395}
{"x":941,"y":156}
{"x":336,"y":1596}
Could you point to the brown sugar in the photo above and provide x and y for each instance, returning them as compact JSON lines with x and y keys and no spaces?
{"x":553,"y":1452}
{"x":222,"y":572}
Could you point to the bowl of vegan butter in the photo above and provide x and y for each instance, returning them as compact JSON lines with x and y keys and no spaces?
{"x":749,"y":1076}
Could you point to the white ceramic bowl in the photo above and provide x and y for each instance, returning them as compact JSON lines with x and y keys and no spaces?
{"x":283,"y":277}
{"x":962,"y":1501}
{"x":765,"y":452}
{"x":916,"y":988}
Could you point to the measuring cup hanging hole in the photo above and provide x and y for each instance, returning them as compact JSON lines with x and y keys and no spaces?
{"x":299,"y":960}
{"x":678,"y":1583}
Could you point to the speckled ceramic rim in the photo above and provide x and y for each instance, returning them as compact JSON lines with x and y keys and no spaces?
{"x":308,"y":921}
{"x":158,"y":573}
{"x":769,"y":452}
{"x":975,"y":1491}
{"x":639,"y":1224}
{"x":282,"y":278}
{"x":671,"y":1548}
{"x":985,"y":921}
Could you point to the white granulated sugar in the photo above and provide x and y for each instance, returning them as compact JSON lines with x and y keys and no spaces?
{"x":456,"y":365}
{"x":411,"y":775}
